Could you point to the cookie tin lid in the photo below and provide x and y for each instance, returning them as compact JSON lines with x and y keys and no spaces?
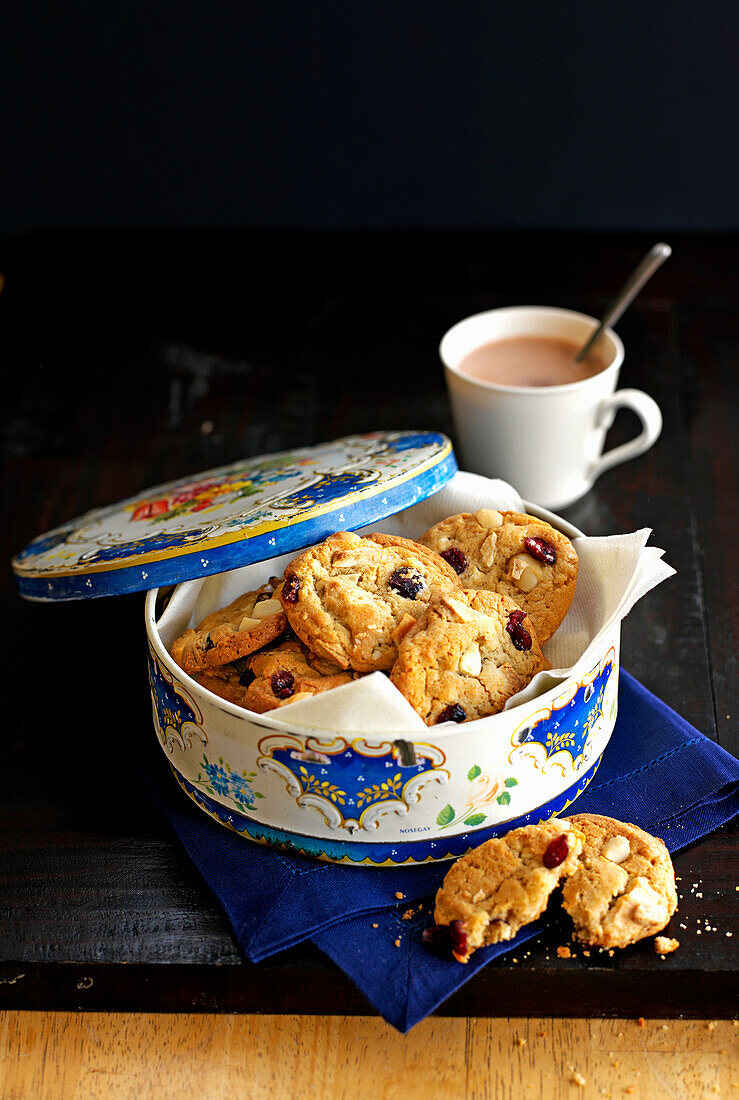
{"x":234,"y":515}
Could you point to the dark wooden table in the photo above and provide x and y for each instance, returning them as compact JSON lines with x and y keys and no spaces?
{"x":133,"y":359}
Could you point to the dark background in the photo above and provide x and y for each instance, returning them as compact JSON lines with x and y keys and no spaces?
{"x":515,"y":114}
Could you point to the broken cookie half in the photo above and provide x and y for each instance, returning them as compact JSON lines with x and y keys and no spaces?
{"x":493,"y":891}
{"x":624,"y":885}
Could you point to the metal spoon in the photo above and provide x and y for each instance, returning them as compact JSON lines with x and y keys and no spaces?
{"x":639,"y":276}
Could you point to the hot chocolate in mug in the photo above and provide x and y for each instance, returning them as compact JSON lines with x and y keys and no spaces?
{"x":546,"y":440}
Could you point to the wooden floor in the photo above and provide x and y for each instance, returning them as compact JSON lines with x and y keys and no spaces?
{"x":97,"y":1056}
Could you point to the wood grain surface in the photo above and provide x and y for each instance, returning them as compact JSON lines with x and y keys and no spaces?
{"x":102,"y":1056}
{"x":132,"y":359}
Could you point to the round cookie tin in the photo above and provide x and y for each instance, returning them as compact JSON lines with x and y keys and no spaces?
{"x":333,"y":794}
{"x":347,"y":797}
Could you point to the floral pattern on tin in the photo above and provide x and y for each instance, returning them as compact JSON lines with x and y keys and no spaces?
{"x":485,"y":793}
{"x":218,"y":778}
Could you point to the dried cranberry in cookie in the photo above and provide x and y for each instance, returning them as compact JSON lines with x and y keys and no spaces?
{"x":350,"y":599}
{"x":454,"y":557}
{"x":447,"y":940}
{"x":504,"y":884}
{"x":515,"y":554}
{"x":556,"y":852}
{"x":453,"y":713}
{"x":407,"y":582}
{"x":541,"y":550}
{"x":282,"y":684}
{"x":518,"y":632}
{"x":290,"y":589}
{"x":280,"y":674}
{"x":461,"y":661}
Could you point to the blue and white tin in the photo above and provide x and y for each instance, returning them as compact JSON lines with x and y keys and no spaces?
{"x":376,"y":796}
{"x":246,"y":512}
{"x":391,"y":798}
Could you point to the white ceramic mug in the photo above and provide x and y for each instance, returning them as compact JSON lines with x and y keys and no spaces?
{"x":547,"y":441}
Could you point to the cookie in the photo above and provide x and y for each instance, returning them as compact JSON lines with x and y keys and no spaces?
{"x":494,"y":890}
{"x":229,"y":681}
{"x":469,"y":652}
{"x":346,"y":598}
{"x":249,"y":623}
{"x":624,"y":886}
{"x":284,"y":673}
{"x":517,"y":555}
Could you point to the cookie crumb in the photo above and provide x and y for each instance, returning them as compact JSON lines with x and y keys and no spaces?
{"x":399,"y":896}
{"x":578,"y":1079}
{"x":397,"y":943}
{"x":543,"y":1034}
{"x":712,"y":1025}
{"x":564,"y":953}
{"x":375,"y":926}
{"x":641,"y":1022}
{"x":630,"y":1090}
{"x":520,"y":1041}
{"x":664,"y":945}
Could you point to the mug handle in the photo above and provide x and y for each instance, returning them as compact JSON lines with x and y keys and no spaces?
{"x":648,"y":411}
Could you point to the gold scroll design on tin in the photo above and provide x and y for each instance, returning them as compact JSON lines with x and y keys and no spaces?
{"x":391,"y":796}
{"x":553,"y":753}
{"x":170,"y":704}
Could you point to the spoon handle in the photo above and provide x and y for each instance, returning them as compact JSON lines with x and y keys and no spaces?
{"x":639,"y":276}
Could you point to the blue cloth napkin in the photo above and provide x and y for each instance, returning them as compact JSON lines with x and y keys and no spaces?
{"x":657,"y":772}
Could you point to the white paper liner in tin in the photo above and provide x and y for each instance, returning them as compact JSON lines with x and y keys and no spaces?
{"x":614,"y":572}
